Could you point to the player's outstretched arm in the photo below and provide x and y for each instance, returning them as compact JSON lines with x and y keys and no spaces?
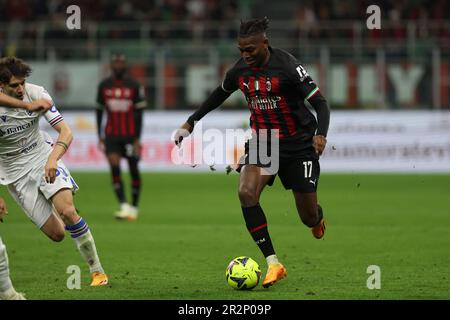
{"x":60,"y":147}
{"x":37,"y":105}
{"x":215,"y":99}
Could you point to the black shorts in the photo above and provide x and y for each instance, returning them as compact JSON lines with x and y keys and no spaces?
{"x":123,"y":146}
{"x":299,"y":174}
{"x":299,"y":170}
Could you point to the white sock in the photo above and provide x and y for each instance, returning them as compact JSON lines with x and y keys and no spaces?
{"x":82,"y":236}
{"x":8,"y":294}
{"x":272,"y":259}
{"x":5,"y":280}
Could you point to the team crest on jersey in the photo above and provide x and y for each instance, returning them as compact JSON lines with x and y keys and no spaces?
{"x":3,"y":118}
{"x":268,"y":85}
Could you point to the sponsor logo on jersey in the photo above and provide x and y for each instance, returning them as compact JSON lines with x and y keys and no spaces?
{"x":119,"y":105}
{"x":263,"y":103}
{"x":30,"y":147}
{"x":21,"y":127}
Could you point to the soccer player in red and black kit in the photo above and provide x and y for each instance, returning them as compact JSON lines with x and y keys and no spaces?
{"x":123,"y":100}
{"x":276,"y":86}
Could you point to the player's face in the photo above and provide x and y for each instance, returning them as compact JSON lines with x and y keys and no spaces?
{"x":15,"y":88}
{"x":254,"y":49}
{"x":118,"y":67}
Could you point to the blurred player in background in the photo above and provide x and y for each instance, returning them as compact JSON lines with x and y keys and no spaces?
{"x":275,"y":86}
{"x":7,"y":291}
{"x":32,"y":170}
{"x":123,"y":100}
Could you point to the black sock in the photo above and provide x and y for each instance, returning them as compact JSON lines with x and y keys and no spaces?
{"x":135,"y":180}
{"x":118,"y":184}
{"x":256,"y":223}
{"x":135,"y":190}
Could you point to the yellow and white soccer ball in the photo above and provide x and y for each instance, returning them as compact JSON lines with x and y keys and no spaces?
{"x":243,"y":273}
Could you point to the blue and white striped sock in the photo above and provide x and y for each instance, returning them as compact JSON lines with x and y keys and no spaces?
{"x":78,"y":229}
{"x":82,"y":236}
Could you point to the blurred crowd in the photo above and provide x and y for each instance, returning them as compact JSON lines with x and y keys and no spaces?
{"x":207,"y":20}
{"x":431,"y":18}
{"x":115,"y":10}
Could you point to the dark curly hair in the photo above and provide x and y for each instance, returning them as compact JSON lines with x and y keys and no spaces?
{"x":254,"y":26}
{"x":13,"y":67}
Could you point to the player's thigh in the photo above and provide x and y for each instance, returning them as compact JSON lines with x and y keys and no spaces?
{"x":131,"y":152}
{"x":253,"y":179}
{"x":114,"y":149}
{"x":26,"y":193}
{"x":300,"y":175}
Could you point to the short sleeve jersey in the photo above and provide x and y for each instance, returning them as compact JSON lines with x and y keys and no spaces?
{"x":120,"y":99}
{"x":21,"y":144}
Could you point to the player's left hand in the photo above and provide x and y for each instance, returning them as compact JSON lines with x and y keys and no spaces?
{"x":184,"y":131}
{"x":319,"y":143}
{"x":50,"y":171}
{"x":3,"y":209}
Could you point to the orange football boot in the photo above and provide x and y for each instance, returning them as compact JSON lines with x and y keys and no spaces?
{"x":275,"y":273}
{"x":318,"y":231}
{"x":99,"y":279}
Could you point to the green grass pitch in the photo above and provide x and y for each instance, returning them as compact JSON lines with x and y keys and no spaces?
{"x":191,"y":226}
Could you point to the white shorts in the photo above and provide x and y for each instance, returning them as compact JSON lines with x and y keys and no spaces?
{"x":33,"y":194}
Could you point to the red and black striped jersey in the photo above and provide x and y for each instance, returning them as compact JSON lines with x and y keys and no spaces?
{"x":123,"y":100}
{"x":275,"y":94}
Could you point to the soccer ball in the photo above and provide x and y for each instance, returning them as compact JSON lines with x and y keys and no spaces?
{"x":243,"y":273}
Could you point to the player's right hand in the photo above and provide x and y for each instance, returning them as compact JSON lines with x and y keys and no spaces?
{"x":50,"y":170}
{"x":181,"y":133}
{"x":3,"y":209}
{"x":39,"y":105}
{"x":101,"y":144}
{"x":319,"y":143}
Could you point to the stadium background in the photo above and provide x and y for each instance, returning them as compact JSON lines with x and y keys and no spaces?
{"x":389,"y":94}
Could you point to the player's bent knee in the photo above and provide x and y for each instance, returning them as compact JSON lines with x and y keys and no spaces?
{"x":69,"y":215}
{"x":57,"y":235}
{"x":248,"y":197}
